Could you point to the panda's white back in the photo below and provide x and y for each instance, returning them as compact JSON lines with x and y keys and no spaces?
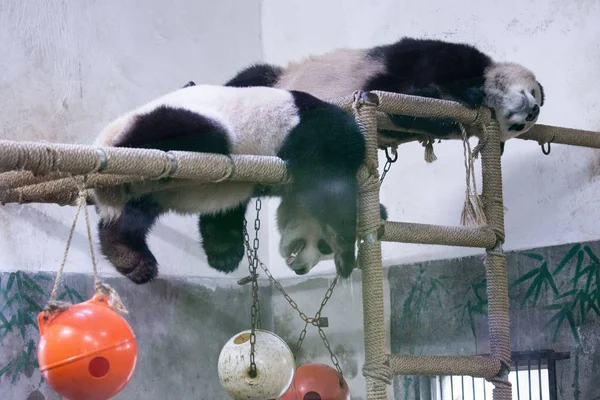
{"x":257,"y":121}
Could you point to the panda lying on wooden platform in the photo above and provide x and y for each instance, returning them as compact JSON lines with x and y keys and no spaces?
{"x":420,"y":67}
{"x":320,"y":143}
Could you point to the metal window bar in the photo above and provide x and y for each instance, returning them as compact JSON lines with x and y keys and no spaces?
{"x":544,"y":362}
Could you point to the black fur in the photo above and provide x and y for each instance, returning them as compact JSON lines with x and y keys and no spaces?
{"x":421,"y":67}
{"x":167,"y":128}
{"x":223,"y":238}
{"x":434,"y":69}
{"x":256,"y":75}
{"x":542,"y":94}
{"x":123,"y":241}
{"x":323,"y":154}
{"x":222,"y":234}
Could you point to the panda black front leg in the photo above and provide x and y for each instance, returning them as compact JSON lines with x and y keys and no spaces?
{"x":123,"y":240}
{"x":438,"y":127}
{"x":223,"y":238}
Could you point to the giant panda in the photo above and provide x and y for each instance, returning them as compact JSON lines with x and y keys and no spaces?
{"x":421,"y":67}
{"x":320,"y":143}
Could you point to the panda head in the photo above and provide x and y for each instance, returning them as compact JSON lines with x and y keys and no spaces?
{"x":516,"y":97}
{"x":303,"y":242}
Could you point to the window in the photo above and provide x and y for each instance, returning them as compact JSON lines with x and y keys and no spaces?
{"x":533,"y":377}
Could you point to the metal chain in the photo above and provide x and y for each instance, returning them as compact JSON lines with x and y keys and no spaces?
{"x":317,"y":320}
{"x":253,"y":267}
{"x":388,"y":163}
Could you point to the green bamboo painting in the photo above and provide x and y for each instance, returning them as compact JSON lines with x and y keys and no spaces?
{"x":574,"y":301}
{"x":23,"y":299}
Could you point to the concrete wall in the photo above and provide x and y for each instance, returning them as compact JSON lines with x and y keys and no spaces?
{"x":68,"y":68}
{"x":180,"y":327}
{"x":550,"y":199}
{"x":440,"y":307}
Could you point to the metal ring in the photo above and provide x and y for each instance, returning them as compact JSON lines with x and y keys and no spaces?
{"x":387,"y":155}
{"x":103,"y":160}
{"x":546,"y":152}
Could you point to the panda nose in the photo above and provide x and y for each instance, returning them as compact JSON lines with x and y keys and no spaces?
{"x":535,"y":111}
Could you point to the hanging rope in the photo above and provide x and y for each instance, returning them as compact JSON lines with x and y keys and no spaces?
{"x":429,"y":153}
{"x":472,"y":213}
{"x":101,"y":288}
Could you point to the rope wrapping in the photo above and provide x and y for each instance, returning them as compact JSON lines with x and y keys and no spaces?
{"x":408,"y":232}
{"x":101,"y":288}
{"x":496,"y":274}
{"x":477,"y":366}
{"x":376,"y":370}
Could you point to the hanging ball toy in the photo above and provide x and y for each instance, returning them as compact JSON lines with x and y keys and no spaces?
{"x":274,"y":366}
{"x":317,"y":382}
{"x":86,"y":352}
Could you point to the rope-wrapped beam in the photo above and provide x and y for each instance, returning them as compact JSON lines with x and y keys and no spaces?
{"x":394,"y":103}
{"x":407,"y":232}
{"x":43,"y":158}
{"x":476,"y":366}
{"x":554,"y":134}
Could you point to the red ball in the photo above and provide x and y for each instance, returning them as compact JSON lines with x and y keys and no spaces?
{"x":87,"y":351}
{"x":317,"y":382}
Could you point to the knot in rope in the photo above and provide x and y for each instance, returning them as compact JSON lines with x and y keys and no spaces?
{"x":378,"y":371}
{"x":113,"y":299}
{"x":55,"y":306}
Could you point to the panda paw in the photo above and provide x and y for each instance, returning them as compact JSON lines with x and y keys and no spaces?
{"x":345,"y":263}
{"x":224,"y":256}
{"x":144,"y":271}
{"x":139,"y":266}
{"x":344,"y":255}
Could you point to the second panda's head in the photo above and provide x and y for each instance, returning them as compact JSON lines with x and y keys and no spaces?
{"x":303,"y":242}
{"x":516,"y":97}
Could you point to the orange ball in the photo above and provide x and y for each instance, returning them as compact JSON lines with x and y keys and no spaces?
{"x":87,"y":351}
{"x":317,"y":382}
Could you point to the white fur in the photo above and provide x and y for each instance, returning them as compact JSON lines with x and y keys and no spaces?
{"x":257,"y":121}
{"x":334,"y":74}
{"x":294,"y":222}
{"x":508,"y":88}
{"x":341,"y":72}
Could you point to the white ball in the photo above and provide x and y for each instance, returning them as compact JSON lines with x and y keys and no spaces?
{"x":275,"y":366}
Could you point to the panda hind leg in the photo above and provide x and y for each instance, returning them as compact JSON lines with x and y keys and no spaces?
{"x":123,"y":240}
{"x":223,"y":237}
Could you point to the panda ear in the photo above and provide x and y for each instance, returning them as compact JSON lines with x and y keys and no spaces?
{"x":541,"y":94}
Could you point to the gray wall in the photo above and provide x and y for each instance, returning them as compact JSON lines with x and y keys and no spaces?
{"x":436,"y":307}
{"x":440,"y":307}
{"x":180,"y":326}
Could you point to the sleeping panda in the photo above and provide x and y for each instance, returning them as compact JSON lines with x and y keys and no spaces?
{"x":320,"y":143}
{"x":420,"y":67}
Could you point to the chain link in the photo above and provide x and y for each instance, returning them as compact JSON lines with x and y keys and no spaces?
{"x":317,"y":320}
{"x":253,"y":267}
{"x":388,"y":163}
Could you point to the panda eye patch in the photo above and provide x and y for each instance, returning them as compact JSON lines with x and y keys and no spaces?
{"x":324,"y":247}
{"x":533,"y":93}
